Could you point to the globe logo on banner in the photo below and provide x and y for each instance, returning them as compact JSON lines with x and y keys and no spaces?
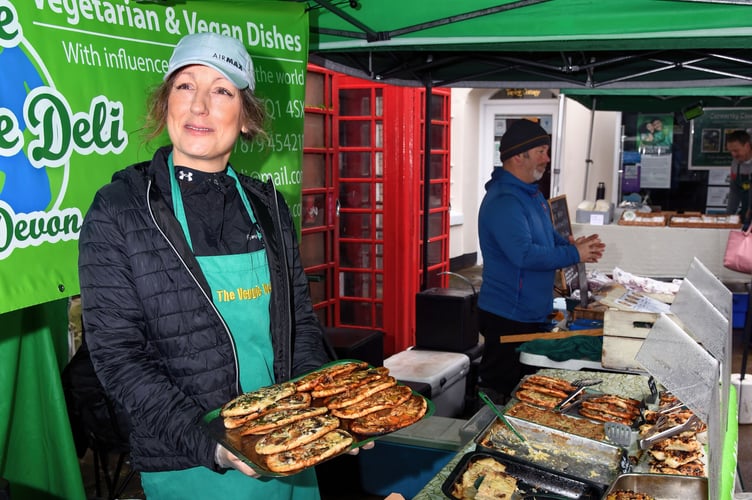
{"x":23,"y":187}
{"x":40,"y":132}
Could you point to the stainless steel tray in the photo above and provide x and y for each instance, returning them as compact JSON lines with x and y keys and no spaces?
{"x":661,"y":486}
{"x":532,"y":481}
{"x":559,"y":451}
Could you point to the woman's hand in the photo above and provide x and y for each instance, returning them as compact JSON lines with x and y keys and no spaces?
{"x":225,"y":459}
{"x":366,"y":446}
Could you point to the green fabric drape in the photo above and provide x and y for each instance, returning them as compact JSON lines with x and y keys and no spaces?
{"x":576,"y":347}
{"x":730,"y":446}
{"x":38,"y":455}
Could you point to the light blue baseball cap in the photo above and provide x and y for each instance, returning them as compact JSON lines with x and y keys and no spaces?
{"x":222,"y":53}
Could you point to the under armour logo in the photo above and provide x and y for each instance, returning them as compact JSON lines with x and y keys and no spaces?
{"x":185,"y":176}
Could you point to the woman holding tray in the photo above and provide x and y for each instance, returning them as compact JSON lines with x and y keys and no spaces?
{"x":164,"y":249}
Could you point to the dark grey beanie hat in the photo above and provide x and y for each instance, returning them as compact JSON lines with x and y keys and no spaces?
{"x":521,"y":136}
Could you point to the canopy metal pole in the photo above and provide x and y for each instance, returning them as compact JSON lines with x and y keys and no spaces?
{"x":426,"y":174}
{"x":556,"y":149}
{"x":588,"y":160}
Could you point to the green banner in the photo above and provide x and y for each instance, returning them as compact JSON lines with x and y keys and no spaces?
{"x":74,"y":80}
{"x":709,"y":130}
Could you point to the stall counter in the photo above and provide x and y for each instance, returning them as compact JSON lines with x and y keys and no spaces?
{"x":660,"y":252}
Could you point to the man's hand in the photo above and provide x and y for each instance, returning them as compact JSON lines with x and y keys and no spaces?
{"x":227,"y":460}
{"x":590,"y":248}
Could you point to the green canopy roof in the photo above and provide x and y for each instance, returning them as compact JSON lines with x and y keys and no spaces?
{"x":650,"y":45}
{"x":661,"y":101}
{"x":598,"y":51}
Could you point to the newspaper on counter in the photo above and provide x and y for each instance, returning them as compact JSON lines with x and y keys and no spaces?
{"x":624,"y":299}
{"x":628,"y":292}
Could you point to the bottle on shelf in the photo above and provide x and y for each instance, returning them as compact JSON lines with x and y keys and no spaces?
{"x":600,"y":193}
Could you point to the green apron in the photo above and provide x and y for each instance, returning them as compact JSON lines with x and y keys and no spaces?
{"x":240,"y":287}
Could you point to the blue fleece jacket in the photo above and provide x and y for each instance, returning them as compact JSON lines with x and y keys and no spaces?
{"x":521,"y":250}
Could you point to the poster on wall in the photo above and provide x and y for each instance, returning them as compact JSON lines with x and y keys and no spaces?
{"x":655,"y":171}
{"x":718,"y":190}
{"x":655,"y":133}
{"x":72,"y":108}
{"x":708,"y":135}
{"x":630,"y":180}
{"x":719,"y":177}
{"x":717,"y":199}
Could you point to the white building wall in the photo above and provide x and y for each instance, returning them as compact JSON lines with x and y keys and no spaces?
{"x":464,"y":172}
{"x":604,"y":154}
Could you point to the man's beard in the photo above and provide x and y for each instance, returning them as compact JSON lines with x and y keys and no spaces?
{"x":538,"y":174}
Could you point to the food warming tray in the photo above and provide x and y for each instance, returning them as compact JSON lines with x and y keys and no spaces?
{"x":662,"y":486}
{"x":531,"y":480}
{"x":562,"y":452}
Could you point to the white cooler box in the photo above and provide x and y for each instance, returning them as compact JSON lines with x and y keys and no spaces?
{"x":444,"y":372}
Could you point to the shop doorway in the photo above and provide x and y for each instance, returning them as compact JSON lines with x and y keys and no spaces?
{"x":495,"y":116}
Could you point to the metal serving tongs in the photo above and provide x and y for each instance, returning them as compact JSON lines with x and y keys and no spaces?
{"x":484,"y":397}
{"x":691,"y":423}
{"x":581,"y":384}
{"x":670,"y":409}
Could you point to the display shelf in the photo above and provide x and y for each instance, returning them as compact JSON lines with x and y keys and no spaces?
{"x":650,"y":219}
{"x":706,"y":221}
{"x":660,"y":252}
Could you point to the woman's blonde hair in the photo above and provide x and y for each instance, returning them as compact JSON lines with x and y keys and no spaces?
{"x":252,"y":109}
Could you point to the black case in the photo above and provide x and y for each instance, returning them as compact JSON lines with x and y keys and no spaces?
{"x":446,"y":319}
{"x":354,"y":343}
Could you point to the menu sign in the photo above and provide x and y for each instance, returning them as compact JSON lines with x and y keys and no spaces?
{"x":573,"y":277}
{"x":709,"y":131}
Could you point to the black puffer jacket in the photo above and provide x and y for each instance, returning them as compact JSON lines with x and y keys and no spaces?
{"x":159,"y":346}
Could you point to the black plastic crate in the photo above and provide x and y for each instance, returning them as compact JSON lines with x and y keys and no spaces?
{"x":446,"y":319}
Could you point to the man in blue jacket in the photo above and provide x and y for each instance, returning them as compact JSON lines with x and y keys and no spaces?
{"x":521,"y":253}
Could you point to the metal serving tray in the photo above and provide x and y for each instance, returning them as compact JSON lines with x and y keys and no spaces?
{"x":531,"y":480}
{"x":552,"y":449}
{"x":662,"y":486}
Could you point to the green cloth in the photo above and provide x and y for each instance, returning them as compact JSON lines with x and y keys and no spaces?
{"x":730,"y":447}
{"x":37,"y":454}
{"x":576,"y":347}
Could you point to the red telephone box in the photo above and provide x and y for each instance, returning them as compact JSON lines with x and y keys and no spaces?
{"x":377,"y":178}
